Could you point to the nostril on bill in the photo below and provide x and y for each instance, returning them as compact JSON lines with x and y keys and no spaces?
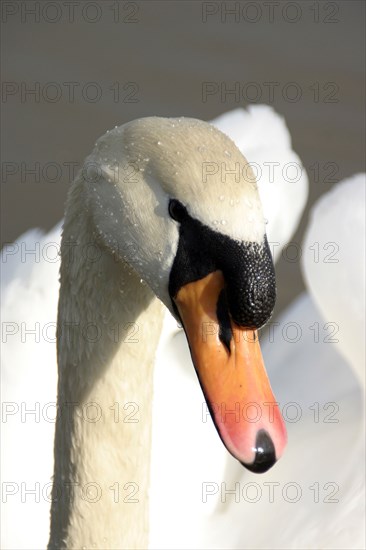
{"x":222,"y":312}
{"x":265,"y":455}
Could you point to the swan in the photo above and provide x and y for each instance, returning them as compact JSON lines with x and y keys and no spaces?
{"x":254,"y":118}
{"x":212,"y":271}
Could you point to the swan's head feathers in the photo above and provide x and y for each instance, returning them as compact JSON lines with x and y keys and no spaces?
{"x":136,"y":170}
{"x":177,"y":201}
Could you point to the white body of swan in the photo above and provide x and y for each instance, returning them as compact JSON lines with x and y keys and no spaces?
{"x":23,"y":436}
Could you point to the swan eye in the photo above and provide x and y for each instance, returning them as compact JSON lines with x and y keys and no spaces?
{"x":176,"y":210}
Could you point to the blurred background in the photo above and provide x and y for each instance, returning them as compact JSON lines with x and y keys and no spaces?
{"x":71,"y":71}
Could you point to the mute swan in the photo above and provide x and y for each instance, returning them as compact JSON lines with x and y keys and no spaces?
{"x":257,"y":117}
{"x":199,"y":242}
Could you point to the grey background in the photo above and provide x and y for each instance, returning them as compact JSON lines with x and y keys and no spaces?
{"x":160,"y":53}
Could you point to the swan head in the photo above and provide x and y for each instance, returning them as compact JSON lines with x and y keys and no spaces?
{"x":177,"y":201}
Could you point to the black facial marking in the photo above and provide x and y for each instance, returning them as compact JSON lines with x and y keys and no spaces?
{"x":247,"y":268}
{"x":222,"y":312}
{"x":265,"y":456}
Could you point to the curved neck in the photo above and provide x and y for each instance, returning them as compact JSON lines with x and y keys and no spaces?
{"x":106,"y":348}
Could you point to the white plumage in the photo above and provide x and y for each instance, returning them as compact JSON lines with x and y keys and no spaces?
{"x":179,"y":518}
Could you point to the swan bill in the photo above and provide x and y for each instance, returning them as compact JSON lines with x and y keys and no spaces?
{"x":231,"y":372}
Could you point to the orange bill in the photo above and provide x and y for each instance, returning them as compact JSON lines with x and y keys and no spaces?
{"x":232,"y":376}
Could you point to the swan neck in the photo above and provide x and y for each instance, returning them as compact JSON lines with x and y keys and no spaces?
{"x":106,"y":347}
